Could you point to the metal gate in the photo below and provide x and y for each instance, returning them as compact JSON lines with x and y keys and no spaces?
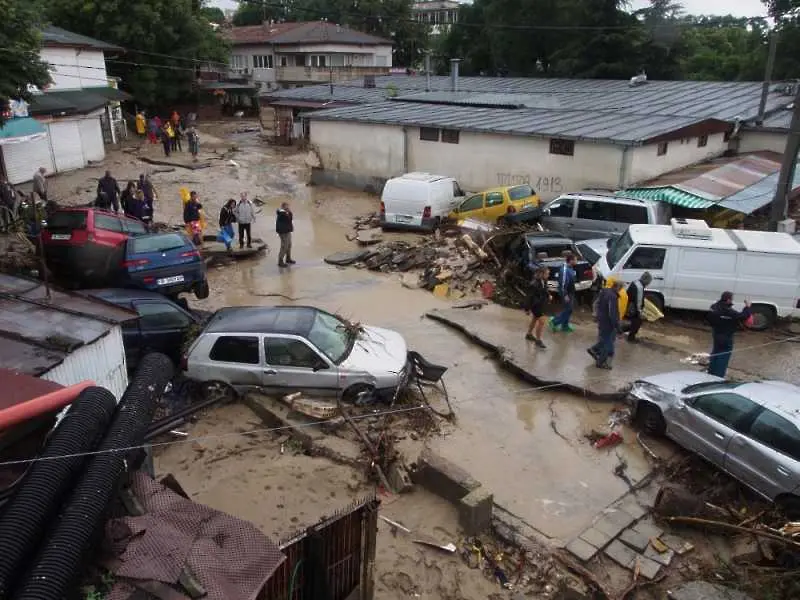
{"x":332,"y":560}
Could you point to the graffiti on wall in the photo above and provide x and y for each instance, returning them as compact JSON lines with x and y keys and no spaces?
{"x":545,"y":183}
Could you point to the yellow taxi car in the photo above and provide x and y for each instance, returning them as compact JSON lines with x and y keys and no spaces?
{"x":492,"y":204}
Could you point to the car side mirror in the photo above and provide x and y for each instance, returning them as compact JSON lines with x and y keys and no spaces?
{"x":546,"y":211}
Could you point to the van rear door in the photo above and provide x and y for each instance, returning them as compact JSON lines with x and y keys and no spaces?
{"x":404,"y":201}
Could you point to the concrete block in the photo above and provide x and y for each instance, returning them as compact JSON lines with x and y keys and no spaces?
{"x":613,"y":522}
{"x":621,"y":554}
{"x":582,"y":550}
{"x":647,"y":568}
{"x":475,"y":511}
{"x":399,"y":478}
{"x":596,"y":538}
{"x":676,"y":543}
{"x":745,"y":549}
{"x":634,"y":539}
{"x":661,"y":558}
{"x":443,"y":478}
{"x":647,"y":527}
{"x":631,"y":506}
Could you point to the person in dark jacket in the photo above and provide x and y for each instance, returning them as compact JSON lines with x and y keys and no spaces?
{"x":227,"y":217}
{"x":191,"y":217}
{"x":537,"y":300}
{"x":136,"y":206}
{"x":566,"y":289}
{"x":636,"y":304}
{"x":608,"y":326}
{"x":108,"y":190}
{"x":725,"y":322}
{"x":149,"y":197}
{"x":284,"y":228}
{"x":128,"y":195}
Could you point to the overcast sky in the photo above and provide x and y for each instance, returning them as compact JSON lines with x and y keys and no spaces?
{"x":739,"y":8}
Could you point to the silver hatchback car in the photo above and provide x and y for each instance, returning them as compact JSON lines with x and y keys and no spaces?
{"x":750,"y":430}
{"x":281,"y":349}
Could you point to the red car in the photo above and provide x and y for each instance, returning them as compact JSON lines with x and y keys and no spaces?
{"x":87,"y":245}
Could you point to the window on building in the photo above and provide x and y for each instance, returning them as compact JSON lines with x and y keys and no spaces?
{"x":562,"y":147}
{"x":319,"y":60}
{"x":450,"y":136}
{"x":646,"y":258}
{"x":238,"y":61}
{"x":727,"y":136}
{"x":262,"y":61}
{"x":284,"y":61}
{"x":241,"y":349}
{"x":662,"y":148}
{"x":702,"y":141}
{"x":429,"y":134}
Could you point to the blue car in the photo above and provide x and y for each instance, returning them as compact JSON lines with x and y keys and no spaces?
{"x":167,"y":263}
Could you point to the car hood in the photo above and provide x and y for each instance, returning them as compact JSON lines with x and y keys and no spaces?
{"x":377,"y":351}
{"x":674,"y":381}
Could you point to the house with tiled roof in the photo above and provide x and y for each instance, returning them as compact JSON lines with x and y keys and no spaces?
{"x":284,"y":55}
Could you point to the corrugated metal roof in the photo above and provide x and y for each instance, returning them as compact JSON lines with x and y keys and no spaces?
{"x":55,"y":36}
{"x":36,"y":334}
{"x":759,"y":194}
{"x":579,"y":125}
{"x":669,"y":195}
{"x":322,"y":93}
{"x":728,"y":179}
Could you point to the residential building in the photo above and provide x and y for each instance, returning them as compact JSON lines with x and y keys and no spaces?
{"x":283,"y":55}
{"x":557,"y":135}
{"x":66,"y":125}
{"x":437,"y":14}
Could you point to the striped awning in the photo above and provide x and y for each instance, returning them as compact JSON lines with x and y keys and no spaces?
{"x":21,"y":129}
{"x":668,"y":195}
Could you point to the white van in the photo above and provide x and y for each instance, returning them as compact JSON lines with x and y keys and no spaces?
{"x":692,"y":264}
{"x":418,"y":201}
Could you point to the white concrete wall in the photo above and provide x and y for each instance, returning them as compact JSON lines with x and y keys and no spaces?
{"x":750,"y":141}
{"x":261,"y":74}
{"x":73,"y":69}
{"x":363,"y":56}
{"x":368,"y":150}
{"x":480,"y":161}
{"x":646,"y":164}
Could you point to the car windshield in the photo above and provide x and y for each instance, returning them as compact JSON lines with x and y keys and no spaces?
{"x":710,"y":385}
{"x":156,"y":243}
{"x":618,"y":249}
{"x":551,"y":250}
{"x":332,"y":336}
{"x":520,"y":192}
{"x":589,"y":253}
{"x":68,"y":220}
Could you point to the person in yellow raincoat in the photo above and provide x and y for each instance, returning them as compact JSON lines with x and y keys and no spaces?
{"x":141,"y":128}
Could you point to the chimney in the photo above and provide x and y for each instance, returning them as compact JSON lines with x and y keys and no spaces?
{"x":454,"y":74}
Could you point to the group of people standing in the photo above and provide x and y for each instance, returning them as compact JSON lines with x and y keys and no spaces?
{"x":170,"y":132}
{"x":137,"y":200}
{"x":244,"y":214}
{"x":616,"y":318}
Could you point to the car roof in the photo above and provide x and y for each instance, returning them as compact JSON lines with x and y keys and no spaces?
{"x":503,"y":188}
{"x":422,"y":176}
{"x":548,"y":237}
{"x":720,"y":239}
{"x":778,"y":396}
{"x":293,"y":320}
{"x":610,"y":197}
{"x":125,"y":295}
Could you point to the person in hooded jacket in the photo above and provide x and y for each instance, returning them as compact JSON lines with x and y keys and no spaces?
{"x":227,"y":217}
{"x":636,"y":300}
{"x":725,"y":321}
{"x":284,"y":227}
{"x":608,"y":326}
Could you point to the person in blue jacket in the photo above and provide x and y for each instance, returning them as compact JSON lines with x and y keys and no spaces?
{"x":608,"y":326}
{"x":566,"y":289}
{"x":725,"y":321}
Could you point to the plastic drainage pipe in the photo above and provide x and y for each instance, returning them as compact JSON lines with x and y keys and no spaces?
{"x":37,"y":499}
{"x":13,"y":415}
{"x":61,"y":557}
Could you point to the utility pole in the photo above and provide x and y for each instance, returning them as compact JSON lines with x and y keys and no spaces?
{"x":786,"y":177}
{"x":773,"y":47}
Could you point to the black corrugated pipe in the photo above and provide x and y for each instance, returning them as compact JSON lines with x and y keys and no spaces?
{"x":60,"y":561}
{"x":34,"y":505}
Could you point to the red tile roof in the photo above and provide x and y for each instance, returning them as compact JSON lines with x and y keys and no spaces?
{"x":257,"y":34}
{"x":311,"y":32}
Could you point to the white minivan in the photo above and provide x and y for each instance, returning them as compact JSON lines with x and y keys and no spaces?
{"x":692,"y":264}
{"x":418,"y":200}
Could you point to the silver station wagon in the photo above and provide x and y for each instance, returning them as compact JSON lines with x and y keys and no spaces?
{"x":282,"y":349}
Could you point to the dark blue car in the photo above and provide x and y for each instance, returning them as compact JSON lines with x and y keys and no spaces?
{"x":167,"y":263}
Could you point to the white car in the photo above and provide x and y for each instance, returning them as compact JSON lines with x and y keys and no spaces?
{"x":282,"y":349}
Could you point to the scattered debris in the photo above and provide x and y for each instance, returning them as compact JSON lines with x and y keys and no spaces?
{"x":699,"y":358}
{"x":451,"y":547}
{"x":676,"y":501}
{"x":316,"y":409}
{"x":609,"y":441}
{"x":395,"y":524}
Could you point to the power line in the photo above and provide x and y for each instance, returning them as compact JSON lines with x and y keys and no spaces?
{"x":525,"y":390}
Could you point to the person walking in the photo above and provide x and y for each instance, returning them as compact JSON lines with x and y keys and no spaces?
{"x":8,"y":203}
{"x":246,"y":216}
{"x":40,"y":183}
{"x":636,"y":305}
{"x":227,"y":217}
{"x":150,"y":196}
{"x":176,"y":138}
{"x":284,"y":226}
{"x":166,"y":138}
{"x":108,"y":192}
{"x":194,"y":141}
{"x":725,"y":321}
{"x":608,"y":326}
{"x":537,"y":300}
{"x":566,"y":289}
{"x":127,"y":196}
{"x":191,"y":218}
{"x":152,"y":131}
{"x":141,"y":125}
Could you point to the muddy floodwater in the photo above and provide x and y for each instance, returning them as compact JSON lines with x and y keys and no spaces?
{"x":526,"y":445}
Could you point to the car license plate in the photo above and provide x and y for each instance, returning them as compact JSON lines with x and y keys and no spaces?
{"x":61,"y":236}
{"x":168,"y":280}
{"x":403,"y":219}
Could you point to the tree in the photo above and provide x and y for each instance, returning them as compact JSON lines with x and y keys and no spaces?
{"x":166,"y":41}
{"x":255,"y":12}
{"x":20,"y":40}
{"x":213,"y":14}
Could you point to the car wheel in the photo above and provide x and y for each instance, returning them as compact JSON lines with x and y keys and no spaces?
{"x":358,"y":392}
{"x":764,"y":317}
{"x":650,"y":418}
{"x":656,"y":299}
{"x":219,"y":390}
{"x":201,"y":290}
{"x":790,"y":505}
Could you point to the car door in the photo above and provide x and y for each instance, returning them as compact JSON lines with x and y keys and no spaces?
{"x":494,"y":206}
{"x":163,"y":326}
{"x":471,"y":208}
{"x":767,"y":456}
{"x":594,"y":218}
{"x":292,"y":364}
{"x":236,"y":360}
{"x":558,"y":215}
{"x":651,"y":259}
{"x":706,"y":423}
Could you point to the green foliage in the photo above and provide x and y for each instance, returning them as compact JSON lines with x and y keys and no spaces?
{"x":172,"y":28}
{"x":19,"y":51}
{"x":213,"y":14}
{"x":390,"y":19}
